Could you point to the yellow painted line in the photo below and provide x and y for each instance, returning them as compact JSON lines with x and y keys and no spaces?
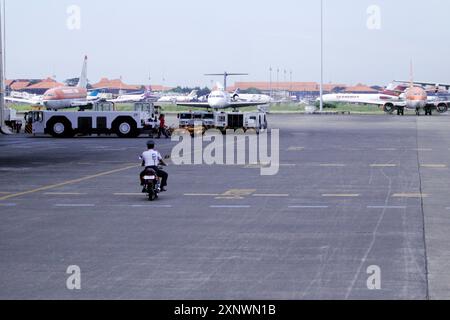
{"x":57,"y":185}
{"x":332,"y":165}
{"x":236,"y":194}
{"x":410,"y":195}
{"x":201,"y":194}
{"x":5,"y":192}
{"x":344,"y":195}
{"x":435,"y":166}
{"x":381,"y":165}
{"x":271,"y":195}
{"x":64,"y":193}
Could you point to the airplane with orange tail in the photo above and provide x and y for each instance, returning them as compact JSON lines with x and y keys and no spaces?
{"x":62,"y":97}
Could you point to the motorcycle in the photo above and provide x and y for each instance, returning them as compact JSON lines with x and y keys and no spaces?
{"x":152,"y":184}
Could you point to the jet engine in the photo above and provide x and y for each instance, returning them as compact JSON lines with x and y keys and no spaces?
{"x":442,"y":107}
{"x":389,"y":108}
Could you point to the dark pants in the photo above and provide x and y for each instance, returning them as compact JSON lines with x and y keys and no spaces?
{"x":160,"y":173}
{"x":162,"y":130}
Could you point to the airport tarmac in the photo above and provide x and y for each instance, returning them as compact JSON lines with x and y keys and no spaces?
{"x":352,"y":192}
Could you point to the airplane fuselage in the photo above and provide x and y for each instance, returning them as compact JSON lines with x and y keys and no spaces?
{"x":219,"y":100}
{"x":64,"y":97}
{"x":416,"y":98}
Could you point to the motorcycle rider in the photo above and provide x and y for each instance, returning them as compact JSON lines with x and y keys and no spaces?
{"x":151,"y":159}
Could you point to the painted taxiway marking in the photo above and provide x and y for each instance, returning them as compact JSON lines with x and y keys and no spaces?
{"x":386,"y":207}
{"x":68,"y":182}
{"x":201,"y":194}
{"x":434,"y":166}
{"x":64,"y":193}
{"x":387,"y":149}
{"x":410,"y":195}
{"x":332,"y":165}
{"x":70,"y":205}
{"x":343,"y":195}
{"x":422,"y":149}
{"x":281,"y":195}
{"x":383,"y":165}
{"x":5,"y":192}
{"x":8,"y":204}
{"x":151,"y":206}
{"x":128,"y":194}
{"x":296,"y":149}
{"x":230,"y":207}
{"x":236,"y":194}
{"x":308,"y":207}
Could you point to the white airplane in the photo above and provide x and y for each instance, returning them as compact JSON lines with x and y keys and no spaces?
{"x":252,"y":97}
{"x":179,"y":98}
{"x":220,"y":99}
{"x":61,"y":97}
{"x":130,"y":98}
{"x":414,"y":97}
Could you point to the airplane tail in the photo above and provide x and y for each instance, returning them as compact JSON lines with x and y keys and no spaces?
{"x":148,"y":91}
{"x":83,"y":78}
{"x":193,"y":94}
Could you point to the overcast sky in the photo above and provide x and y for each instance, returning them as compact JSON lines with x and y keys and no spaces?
{"x":178,"y":40}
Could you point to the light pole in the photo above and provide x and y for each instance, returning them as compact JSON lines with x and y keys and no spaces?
{"x":270,"y":81}
{"x":321,"y":55}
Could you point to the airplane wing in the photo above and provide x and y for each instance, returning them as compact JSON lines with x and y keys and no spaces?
{"x":436,"y":84}
{"x":243,"y":104}
{"x":22,"y":100}
{"x":234,"y":104}
{"x":194,"y":104}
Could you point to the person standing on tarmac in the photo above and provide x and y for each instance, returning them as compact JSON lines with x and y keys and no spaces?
{"x":162,"y":127}
{"x":152,"y":160}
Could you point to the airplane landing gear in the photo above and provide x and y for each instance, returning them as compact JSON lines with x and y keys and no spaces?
{"x":400,"y":111}
{"x":417,"y":112}
{"x":428,"y":112}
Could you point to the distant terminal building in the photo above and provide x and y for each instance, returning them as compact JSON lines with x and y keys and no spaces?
{"x":40,"y":86}
{"x":117,"y":86}
{"x":33,"y":86}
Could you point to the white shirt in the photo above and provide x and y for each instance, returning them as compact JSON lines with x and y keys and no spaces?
{"x":151,"y":158}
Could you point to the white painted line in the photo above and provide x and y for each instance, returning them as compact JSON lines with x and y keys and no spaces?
{"x":381,"y":165}
{"x":332,"y":165}
{"x":410,"y":195}
{"x":349,"y":195}
{"x":386,"y":149}
{"x":434,"y":166}
{"x":7,"y":204}
{"x":129,"y":194}
{"x":230,"y":206}
{"x":296,"y":149}
{"x":75,"y":205}
{"x":386,"y":207}
{"x":422,"y":149}
{"x":308,"y":207}
{"x":270,"y":195}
